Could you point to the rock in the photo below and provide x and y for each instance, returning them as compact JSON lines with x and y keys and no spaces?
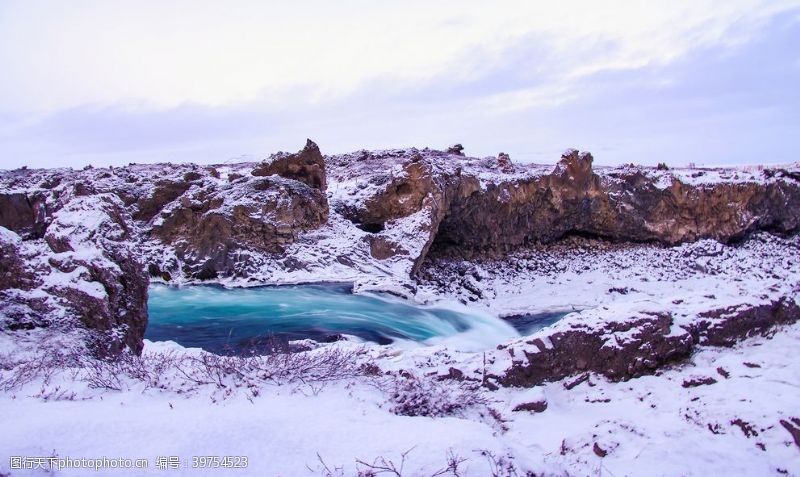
{"x":747,"y":429}
{"x":19,"y":310}
{"x":91,"y":236}
{"x":649,"y":345}
{"x":418,"y":189}
{"x":599,"y":451}
{"x":573,"y":383}
{"x":717,"y":329}
{"x":694,"y":382}
{"x":212,"y":228}
{"x":306,"y":166}
{"x":641,"y":345}
{"x":621,"y":205}
{"x":793,"y":428}
{"x":533,"y":406}
{"x":13,"y":273}
{"x":504,"y":163}
{"x":164,"y":191}
{"x":24,"y":213}
{"x":457,"y":149}
{"x":383,"y":248}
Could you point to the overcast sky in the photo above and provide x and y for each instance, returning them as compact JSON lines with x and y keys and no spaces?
{"x":111,"y":82}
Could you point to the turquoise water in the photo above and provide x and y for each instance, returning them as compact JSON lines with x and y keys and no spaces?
{"x":243,"y":319}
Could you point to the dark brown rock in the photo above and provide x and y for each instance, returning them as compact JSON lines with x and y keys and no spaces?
{"x":306,"y":166}
{"x":533,"y":406}
{"x":19,"y":310}
{"x":212,"y":229}
{"x":383,"y":248}
{"x":748,"y":429}
{"x":504,"y":163}
{"x":717,"y":329}
{"x":649,"y":345}
{"x":112,"y":301}
{"x":621,"y":205}
{"x":457,"y":149}
{"x":24,"y":213}
{"x":694,"y":382}
{"x":599,"y":451}
{"x":163,"y":192}
{"x":13,"y":273}
{"x":793,"y":428}
{"x":621,"y":350}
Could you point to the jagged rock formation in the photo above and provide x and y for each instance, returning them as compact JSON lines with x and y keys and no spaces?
{"x":306,"y":166}
{"x":624,"y":204}
{"x":24,"y":212}
{"x":491,"y":206}
{"x":85,"y":267}
{"x":211,"y":225}
{"x":629,"y":347}
{"x":91,"y":237}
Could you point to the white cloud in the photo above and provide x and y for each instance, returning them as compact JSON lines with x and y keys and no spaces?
{"x":161,"y":54}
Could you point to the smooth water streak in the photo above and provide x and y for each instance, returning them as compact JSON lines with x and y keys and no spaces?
{"x":219,"y":319}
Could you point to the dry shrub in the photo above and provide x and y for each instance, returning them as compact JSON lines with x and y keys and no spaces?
{"x":173,"y":370}
{"x":412,"y":395}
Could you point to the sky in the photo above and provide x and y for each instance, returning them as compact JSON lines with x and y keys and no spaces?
{"x":111,"y":82}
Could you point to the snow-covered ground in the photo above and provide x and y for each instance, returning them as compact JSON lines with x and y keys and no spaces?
{"x":648,"y":426}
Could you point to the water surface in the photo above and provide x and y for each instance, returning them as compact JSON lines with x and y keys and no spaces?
{"x":242,"y":319}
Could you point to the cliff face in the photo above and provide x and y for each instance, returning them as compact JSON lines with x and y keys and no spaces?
{"x":84,"y":271}
{"x":491,"y":206}
{"x":96,"y":231}
{"x":621,"y":204}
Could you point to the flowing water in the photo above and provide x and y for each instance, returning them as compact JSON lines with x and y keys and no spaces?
{"x":219,"y":319}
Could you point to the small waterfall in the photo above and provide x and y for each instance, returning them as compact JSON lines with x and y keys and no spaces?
{"x":220,"y":319}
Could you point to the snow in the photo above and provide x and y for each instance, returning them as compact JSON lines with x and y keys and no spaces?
{"x":643,"y":424}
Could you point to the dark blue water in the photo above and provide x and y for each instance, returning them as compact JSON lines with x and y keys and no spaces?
{"x":530,"y":323}
{"x":242,"y":320}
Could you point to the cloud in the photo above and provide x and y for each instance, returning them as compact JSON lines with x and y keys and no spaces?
{"x":163,"y":54}
{"x":119,"y":81}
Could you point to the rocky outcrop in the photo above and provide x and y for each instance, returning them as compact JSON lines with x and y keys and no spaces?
{"x":634,"y":346}
{"x":212,"y":226}
{"x":19,"y":310}
{"x":418,"y":186}
{"x":306,"y":166}
{"x":99,"y":274}
{"x":85,"y":272}
{"x":621,"y":204}
{"x":492,"y":206}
